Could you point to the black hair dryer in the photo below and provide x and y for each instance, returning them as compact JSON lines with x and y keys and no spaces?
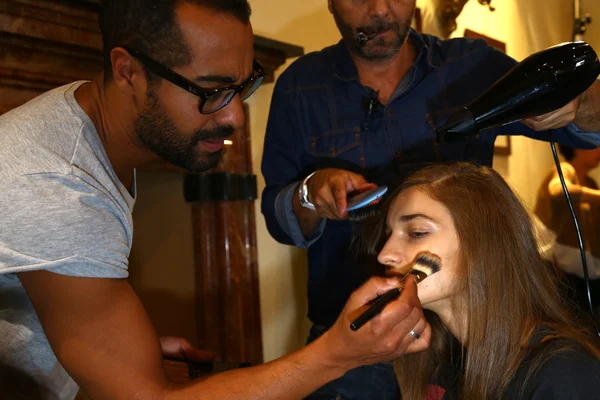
{"x":543,"y":82}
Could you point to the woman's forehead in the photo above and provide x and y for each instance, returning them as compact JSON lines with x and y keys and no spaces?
{"x":415,"y":200}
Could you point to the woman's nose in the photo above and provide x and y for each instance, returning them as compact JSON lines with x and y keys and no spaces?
{"x":390,"y":255}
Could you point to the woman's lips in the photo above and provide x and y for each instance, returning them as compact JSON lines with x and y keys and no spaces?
{"x":391,"y":272}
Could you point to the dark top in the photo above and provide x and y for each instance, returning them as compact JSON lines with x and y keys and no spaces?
{"x":571,"y":374}
{"x":318,"y":120}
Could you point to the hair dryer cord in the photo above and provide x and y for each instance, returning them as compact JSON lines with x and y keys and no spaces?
{"x":579,"y":238}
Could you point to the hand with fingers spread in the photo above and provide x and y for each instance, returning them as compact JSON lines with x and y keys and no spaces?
{"x":399,"y":329}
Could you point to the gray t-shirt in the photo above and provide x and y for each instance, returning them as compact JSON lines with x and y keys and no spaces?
{"x":62,"y":209}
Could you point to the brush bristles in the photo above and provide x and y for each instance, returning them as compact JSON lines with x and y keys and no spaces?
{"x":361,"y":214}
{"x":426,"y":265}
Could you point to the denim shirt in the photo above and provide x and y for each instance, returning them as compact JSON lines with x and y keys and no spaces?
{"x":318,"y":119}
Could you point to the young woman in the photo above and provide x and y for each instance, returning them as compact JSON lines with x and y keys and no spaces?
{"x":500,"y":328}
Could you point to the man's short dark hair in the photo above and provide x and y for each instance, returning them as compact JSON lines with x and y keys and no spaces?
{"x":567,"y":152}
{"x":150,"y":27}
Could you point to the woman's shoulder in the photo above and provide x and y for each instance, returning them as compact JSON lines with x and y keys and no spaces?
{"x":570,"y":374}
{"x":557,"y":368}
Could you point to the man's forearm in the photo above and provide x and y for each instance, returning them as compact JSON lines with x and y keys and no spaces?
{"x":588,"y":113}
{"x":308,"y":219}
{"x":291,"y":377}
{"x":577,"y":193}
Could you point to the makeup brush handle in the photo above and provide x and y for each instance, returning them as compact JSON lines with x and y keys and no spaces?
{"x":375,"y":308}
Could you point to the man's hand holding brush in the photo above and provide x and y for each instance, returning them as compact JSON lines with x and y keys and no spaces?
{"x":383,"y":338}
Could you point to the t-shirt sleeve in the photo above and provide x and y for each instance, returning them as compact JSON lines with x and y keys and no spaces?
{"x":64,"y":225}
{"x":569,"y":376}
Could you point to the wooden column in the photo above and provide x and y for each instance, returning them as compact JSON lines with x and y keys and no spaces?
{"x":227,"y":290}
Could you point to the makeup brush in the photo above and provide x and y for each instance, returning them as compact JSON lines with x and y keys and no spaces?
{"x":425,"y":264}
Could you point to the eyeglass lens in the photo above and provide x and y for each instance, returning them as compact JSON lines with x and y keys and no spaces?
{"x":220,"y":99}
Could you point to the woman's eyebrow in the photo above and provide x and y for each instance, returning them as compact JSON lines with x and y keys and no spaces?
{"x":410,"y":217}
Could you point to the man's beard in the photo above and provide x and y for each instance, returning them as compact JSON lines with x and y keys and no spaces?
{"x":377,"y":48}
{"x":155,"y":131}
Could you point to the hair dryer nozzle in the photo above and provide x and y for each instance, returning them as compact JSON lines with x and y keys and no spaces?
{"x":461,"y":125}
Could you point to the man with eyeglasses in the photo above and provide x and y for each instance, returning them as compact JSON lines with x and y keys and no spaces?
{"x":175,"y":76}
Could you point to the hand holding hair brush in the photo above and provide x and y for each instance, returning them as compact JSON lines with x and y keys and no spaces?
{"x":424,"y":265}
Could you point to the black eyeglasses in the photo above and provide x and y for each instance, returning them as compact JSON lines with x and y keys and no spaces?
{"x":210,"y":100}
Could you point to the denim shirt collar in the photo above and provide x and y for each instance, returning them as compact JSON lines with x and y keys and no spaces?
{"x":345,"y":70}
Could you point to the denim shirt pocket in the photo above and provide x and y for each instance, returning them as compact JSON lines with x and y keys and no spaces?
{"x":341,"y":148}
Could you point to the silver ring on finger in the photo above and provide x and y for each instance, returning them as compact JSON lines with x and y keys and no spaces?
{"x":414,"y":334}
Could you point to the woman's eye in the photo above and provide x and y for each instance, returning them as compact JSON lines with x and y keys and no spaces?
{"x":417,"y":234}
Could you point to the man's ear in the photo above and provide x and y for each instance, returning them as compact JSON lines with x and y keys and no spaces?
{"x":127,"y":71}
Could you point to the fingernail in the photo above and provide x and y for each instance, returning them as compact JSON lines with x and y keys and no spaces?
{"x":392,"y":281}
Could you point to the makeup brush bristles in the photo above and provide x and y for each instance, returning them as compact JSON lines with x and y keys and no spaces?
{"x":426,"y":264}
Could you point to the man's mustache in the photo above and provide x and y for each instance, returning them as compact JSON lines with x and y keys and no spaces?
{"x":219,"y":133}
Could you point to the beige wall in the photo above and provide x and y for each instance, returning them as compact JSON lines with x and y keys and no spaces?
{"x":592,"y":36}
{"x":282,"y":269}
{"x":526,"y":27}
{"x":163,"y":246}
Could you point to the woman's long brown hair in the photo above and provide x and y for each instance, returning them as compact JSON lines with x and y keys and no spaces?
{"x":507,"y":289}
